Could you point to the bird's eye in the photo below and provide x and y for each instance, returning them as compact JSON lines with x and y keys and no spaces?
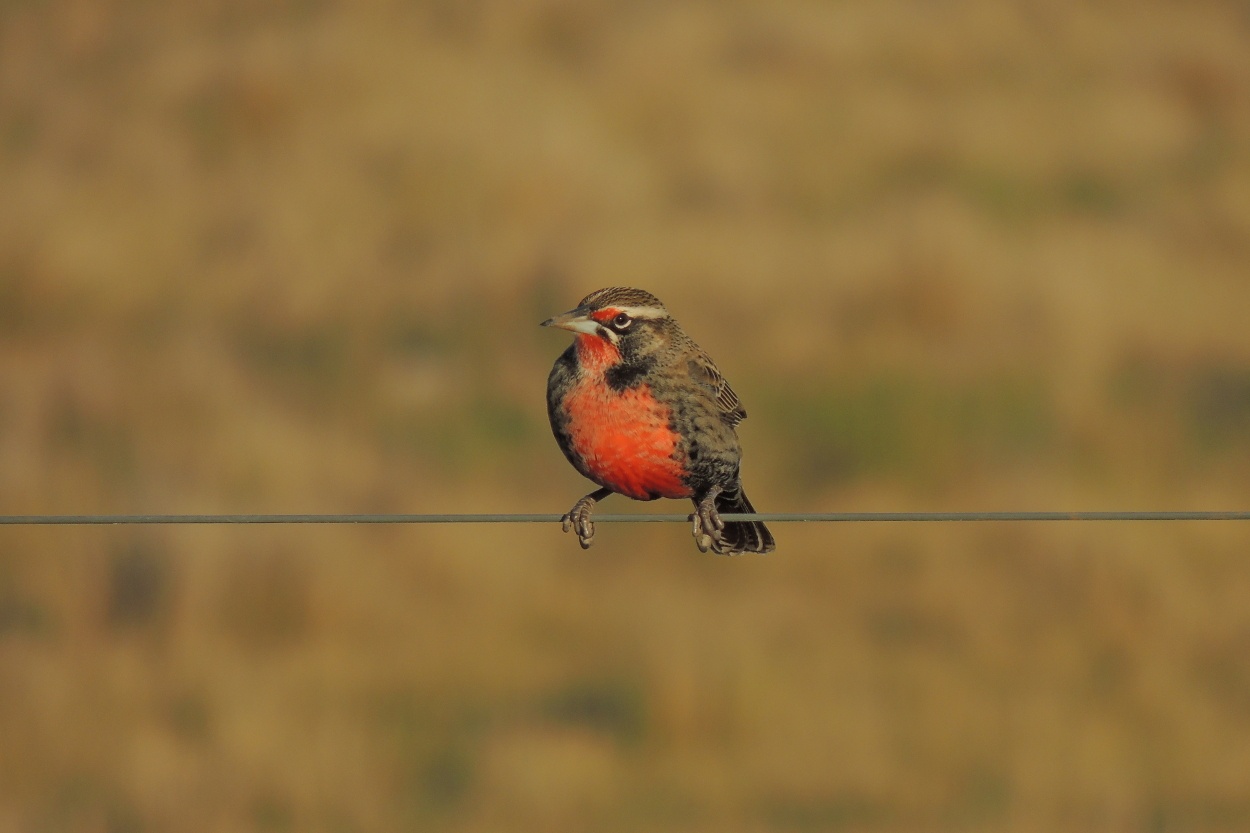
{"x":622,"y":321}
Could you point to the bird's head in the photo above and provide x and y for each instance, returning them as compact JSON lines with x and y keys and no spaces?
{"x":629,"y":321}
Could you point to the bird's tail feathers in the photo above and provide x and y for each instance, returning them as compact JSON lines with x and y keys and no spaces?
{"x":741,"y":536}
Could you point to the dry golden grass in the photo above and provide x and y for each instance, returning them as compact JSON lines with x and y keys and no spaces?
{"x":953,"y":256}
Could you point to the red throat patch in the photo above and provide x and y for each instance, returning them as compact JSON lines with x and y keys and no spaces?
{"x":596,"y":354}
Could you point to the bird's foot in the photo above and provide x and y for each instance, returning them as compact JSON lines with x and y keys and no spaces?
{"x":708,"y":526}
{"x":579,"y":518}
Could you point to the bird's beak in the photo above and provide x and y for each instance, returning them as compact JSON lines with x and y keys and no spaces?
{"x":576,"y":321}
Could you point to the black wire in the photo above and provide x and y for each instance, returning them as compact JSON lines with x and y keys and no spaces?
{"x":775,"y":517}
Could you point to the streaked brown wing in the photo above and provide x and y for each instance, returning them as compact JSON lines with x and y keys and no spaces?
{"x":703,"y":371}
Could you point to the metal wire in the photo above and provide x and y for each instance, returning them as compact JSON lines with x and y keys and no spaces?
{"x":775,"y":517}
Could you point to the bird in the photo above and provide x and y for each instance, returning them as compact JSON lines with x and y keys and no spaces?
{"x":640,"y":409}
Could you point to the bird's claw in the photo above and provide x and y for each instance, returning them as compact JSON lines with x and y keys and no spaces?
{"x":579,"y":518}
{"x":707,"y":525}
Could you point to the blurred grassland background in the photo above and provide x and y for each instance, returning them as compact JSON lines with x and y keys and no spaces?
{"x":291,"y":257}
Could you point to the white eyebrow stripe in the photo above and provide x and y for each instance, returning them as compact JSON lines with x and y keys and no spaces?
{"x":641,"y":312}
